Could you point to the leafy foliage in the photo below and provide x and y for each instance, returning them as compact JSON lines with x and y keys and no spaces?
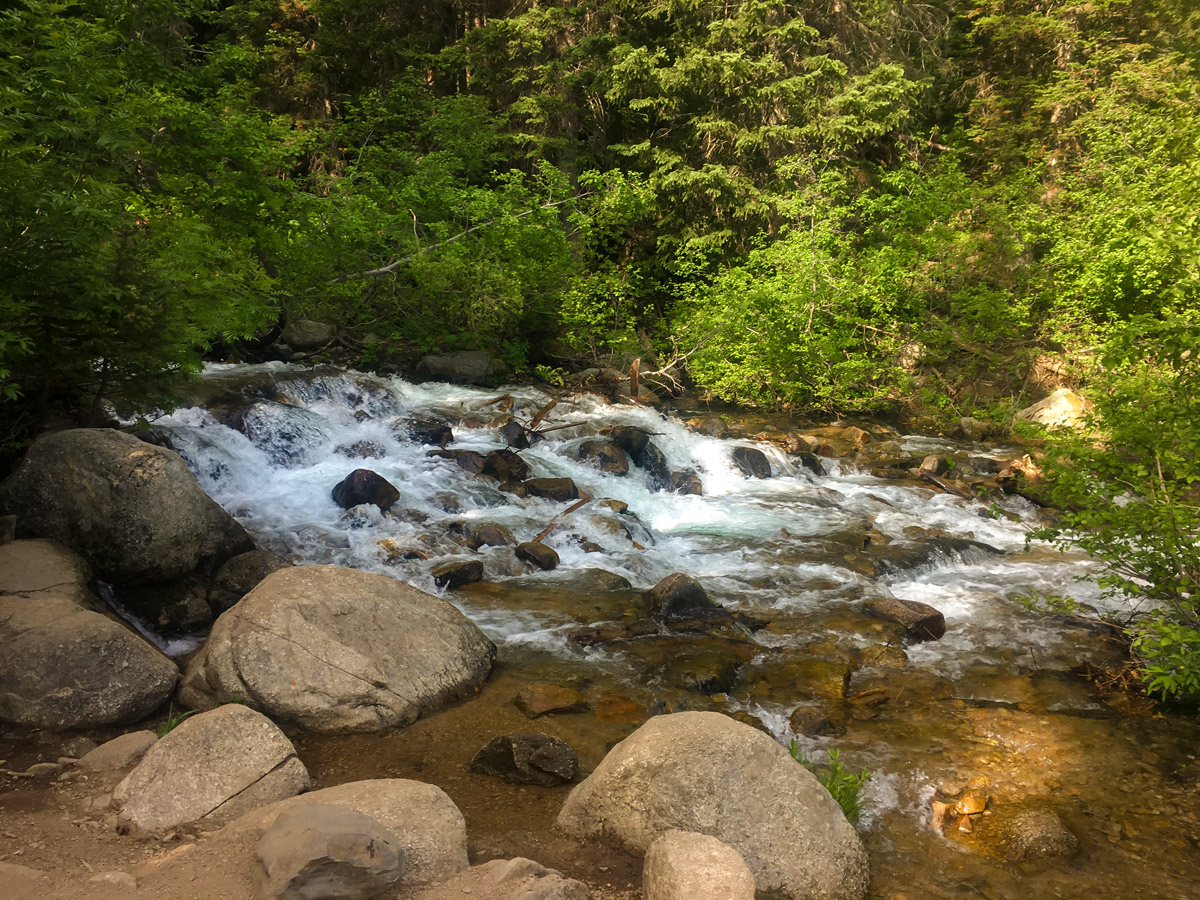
{"x":843,"y":785}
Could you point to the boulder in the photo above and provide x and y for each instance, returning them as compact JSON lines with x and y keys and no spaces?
{"x":630,"y":439}
{"x":642,"y":452}
{"x":526,"y":757}
{"x":490,"y":534}
{"x":212,"y":767}
{"x":132,"y":510}
{"x":64,"y":667}
{"x":364,"y":486}
{"x":1062,"y":409}
{"x":171,"y":608}
{"x":705,"y":772}
{"x":545,"y":558}
{"x":307,"y":334}
{"x":560,"y":490}
{"x":314,"y":851}
{"x":711,"y":426}
{"x":455,"y":573}
{"x":975,"y":430}
{"x":751,"y":462}
{"x":921,"y":621}
{"x":685,"y":483}
{"x":425,"y":430}
{"x":680,"y":596}
{"x":119,"y":753}
{"x":332,"y":649}
{"x":684,"y":865}
{"x":37,"y":567}
{"x":514,"y":434}
{"x":504,"y":465}
{"x":508,"y":879}
{"x":542,"y":699}
{"x":460,"y":367}
{"x":424,"y":821}
{"x":240,"y":575}
{"x":290,"y":436}
{"x":606,"y":456}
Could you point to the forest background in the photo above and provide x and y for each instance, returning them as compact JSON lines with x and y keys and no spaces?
{"x":829,"y":207}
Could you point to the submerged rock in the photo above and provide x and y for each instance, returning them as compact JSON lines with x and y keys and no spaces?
{"x":537,"y":700}
{"x":331,"y":649}
{"x":704,"y":772}
{"x":526,"y":757}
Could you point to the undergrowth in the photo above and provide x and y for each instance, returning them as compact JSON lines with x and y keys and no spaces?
{"x":843,"y":785}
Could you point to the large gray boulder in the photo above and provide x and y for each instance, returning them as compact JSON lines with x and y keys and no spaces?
{"x":460,"y":367}
{"x":314,"y":851}
{"x":332,"y":649}
{"x":421,"y":817}
{"x":705,"y":772}
{"x":134,"y":511}
{"x":212,"y":768}
{"x":62,"y":667}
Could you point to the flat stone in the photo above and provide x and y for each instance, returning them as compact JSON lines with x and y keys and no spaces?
{"x":685,"y":865}
{"x":537,"y":700}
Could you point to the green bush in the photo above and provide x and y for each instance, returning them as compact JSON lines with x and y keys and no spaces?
{"x":843,"y":785}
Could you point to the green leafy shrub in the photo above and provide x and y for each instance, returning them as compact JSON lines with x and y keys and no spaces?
{"x":843,"y":785}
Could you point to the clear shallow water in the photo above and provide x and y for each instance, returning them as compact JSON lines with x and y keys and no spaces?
{"x":775,"y":547}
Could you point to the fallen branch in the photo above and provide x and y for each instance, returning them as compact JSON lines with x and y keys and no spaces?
{"x":946,"y":486}
{"x":541,"y":415}
{"x":557,"y":427}
{"x":554,"y":522}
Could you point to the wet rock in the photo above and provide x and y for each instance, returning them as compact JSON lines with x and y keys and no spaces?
{"x":1031,"y":833}
{"x":364,"y":486}
{"x":362,"y":450}
{"x":314,"y":851}
{"x":680,"y":596}
{"x":64,"y":667}
{"x":307,"y":334}
{"x":526,"y":757}
{"x":40,"y":567}
{"x":921,"y":622}
{"x":1062,"y":409}
{"x":618,"y":506}
{"x":685,"y":483}
{"x":490,"y":534}
{"x":643,"y":453}
{"x":582,"y":581}
{"x":460,"y":367}
{"x":119,"y":753}
{"x":815,"y":720}
{"x":982,"y":684}
{"x":537,"y":700}
{"x":470,"y":460}
{"x":751,"y":462}
{"x":515,"y":434}
{"x":240,"y":575}
{"x":630,"y":439}
{"x":704,"y":665}
{"x":212,"y":767}
{"x":291,"y":437}
{"x":560,"y":490}
{"x":423,"y":820}
{"x":934,"y":465}
{"x":425,"y":430}
{"x":509,"y":879}
{"x":172,"y":608}
{"x":504,"y":465}
{"x":606,"y":455}
{"x":698,"y":771}
{"x":537,"y":553}
{"x":331,"y":649}
{"x":132,"y":510}
{"x":811,"y":462}
{"x":685,"y":865}
{"x":710,"y":426}
{"x":788,"y":677}
{"x":856,"y":435}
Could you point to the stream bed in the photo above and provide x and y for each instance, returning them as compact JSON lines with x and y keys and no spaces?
{"x":1002,"y":695}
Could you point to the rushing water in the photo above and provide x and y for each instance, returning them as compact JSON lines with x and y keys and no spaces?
{"x":996,"y":696}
